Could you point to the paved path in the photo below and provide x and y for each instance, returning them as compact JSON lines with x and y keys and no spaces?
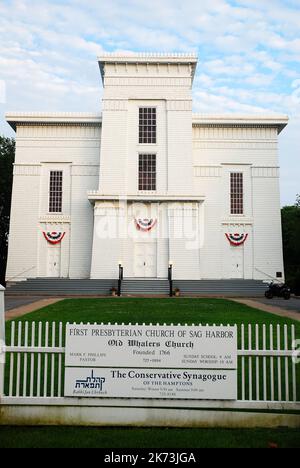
{"x":293,"y":304}
{"x":12,"y":302}
{"x":269,"y":306}
{"x":26,"y":305}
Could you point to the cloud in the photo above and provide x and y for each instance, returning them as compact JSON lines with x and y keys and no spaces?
{"x":249,"y":53}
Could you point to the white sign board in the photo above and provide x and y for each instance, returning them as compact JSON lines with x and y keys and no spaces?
{"x":151,"y":346}
{"x":151,"y":383}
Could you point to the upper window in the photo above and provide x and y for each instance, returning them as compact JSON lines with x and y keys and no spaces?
{"x":147,"y":172}
{"x":55,"y":192}
{"x":236,"y":193}
{"x":147,"y":125}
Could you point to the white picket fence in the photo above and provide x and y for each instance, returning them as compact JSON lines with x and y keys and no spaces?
{"x":33,"y":373}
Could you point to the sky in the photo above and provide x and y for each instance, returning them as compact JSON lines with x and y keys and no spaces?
{"x":249,"y":57}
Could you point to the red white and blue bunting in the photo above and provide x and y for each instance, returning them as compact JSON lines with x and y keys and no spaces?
{"x":54,"y":237}
{"x":145,"y":224}
{"x":237,"y":239}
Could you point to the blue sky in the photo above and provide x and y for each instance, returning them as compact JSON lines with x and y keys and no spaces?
{"x":249,"y":57}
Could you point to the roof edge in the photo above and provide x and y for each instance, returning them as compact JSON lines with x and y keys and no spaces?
{"x":15,"y":118}
{"x":48,"y":118}
{"x":275,"y":120}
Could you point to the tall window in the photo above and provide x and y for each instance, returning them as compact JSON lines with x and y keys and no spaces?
{"x":147,"y":125}
{"x":147,"y":172}
{"x":55,"y":192}
{"x":236,"y":193}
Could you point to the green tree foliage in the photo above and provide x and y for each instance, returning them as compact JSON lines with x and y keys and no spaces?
{"x":7,"y":157}
{"x":290,"y":216}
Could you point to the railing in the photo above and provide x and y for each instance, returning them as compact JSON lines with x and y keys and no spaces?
{"x":278,"y":280}
{"x":170,"y":279}
{"x":121,"y":275}
{"x":19,"y":274}
{"x":267,"y":376}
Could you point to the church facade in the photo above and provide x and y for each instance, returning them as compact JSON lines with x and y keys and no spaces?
{"x":146,"y":184}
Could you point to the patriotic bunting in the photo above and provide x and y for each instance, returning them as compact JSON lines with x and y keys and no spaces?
{"x":145,"y":224}
{"x":237,"y":239}
{"x":54,"y":237}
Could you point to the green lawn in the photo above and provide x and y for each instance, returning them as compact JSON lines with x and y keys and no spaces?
{"x":72,"y":437}
{"x":149,"y":310}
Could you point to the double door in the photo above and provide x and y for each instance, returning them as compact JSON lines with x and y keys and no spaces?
{"x":145,"y":260}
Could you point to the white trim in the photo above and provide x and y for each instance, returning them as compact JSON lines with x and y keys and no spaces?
{"x":279,"y":121}
{"x":96,"y":196}
{"x":55,"y":118}
{"x":59,"y":118}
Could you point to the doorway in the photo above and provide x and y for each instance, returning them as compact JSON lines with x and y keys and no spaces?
{"x":237,"y":262}
{"x":145,"y":260}
{"x":54,"y":261}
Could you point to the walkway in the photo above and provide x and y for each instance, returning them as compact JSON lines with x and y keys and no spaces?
{"x":16,"y":307}
{"x":286,"y":308}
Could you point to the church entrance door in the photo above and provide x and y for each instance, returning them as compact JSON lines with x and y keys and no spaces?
{"x":145,"y":260}
{"x":54,"y":261}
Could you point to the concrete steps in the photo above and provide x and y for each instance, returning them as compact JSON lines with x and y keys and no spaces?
{"x":136,"y":287}
{"x":226,"y":288}
{"x":145,"y":287}
{"x":62,"y":287}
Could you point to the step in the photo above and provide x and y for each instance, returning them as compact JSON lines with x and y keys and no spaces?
{"x":56,"y":286}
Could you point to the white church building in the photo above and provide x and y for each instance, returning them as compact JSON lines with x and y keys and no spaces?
{"x":146,"y":184}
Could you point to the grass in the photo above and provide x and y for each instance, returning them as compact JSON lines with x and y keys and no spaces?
{"x":84,"y":437}
{"x":152,"y":310}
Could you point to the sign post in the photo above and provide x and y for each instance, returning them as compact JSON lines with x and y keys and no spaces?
{"x":2,"y":340}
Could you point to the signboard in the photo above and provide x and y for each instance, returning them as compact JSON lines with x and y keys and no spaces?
{"x":155,"y":346}
{"x":151,"y":383}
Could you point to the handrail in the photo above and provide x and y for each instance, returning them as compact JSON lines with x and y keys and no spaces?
{"x":121,"y":275}
{"x":269,"y":276}
{"x":17,"y":276}
{"x":170,"y":279}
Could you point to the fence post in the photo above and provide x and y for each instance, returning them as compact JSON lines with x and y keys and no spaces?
{"x":2,"y":340}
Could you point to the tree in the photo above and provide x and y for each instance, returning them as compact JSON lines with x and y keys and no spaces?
{"x":7,"y":157}
{"x":290,"y":216}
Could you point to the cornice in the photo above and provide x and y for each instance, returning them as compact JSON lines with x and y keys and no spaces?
{"x":148,"y":58}
{"x":95,"y":119}
{"x":95,"y":195}
{"x":55,"y":118}
{"x":236,"y":120}
{"x":55,"y":219}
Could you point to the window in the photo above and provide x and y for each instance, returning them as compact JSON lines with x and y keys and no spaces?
{"x":236,"y":193}
{"x":147,"y":172}
{"x":55,"y":192}
{"x":147,"y":125}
